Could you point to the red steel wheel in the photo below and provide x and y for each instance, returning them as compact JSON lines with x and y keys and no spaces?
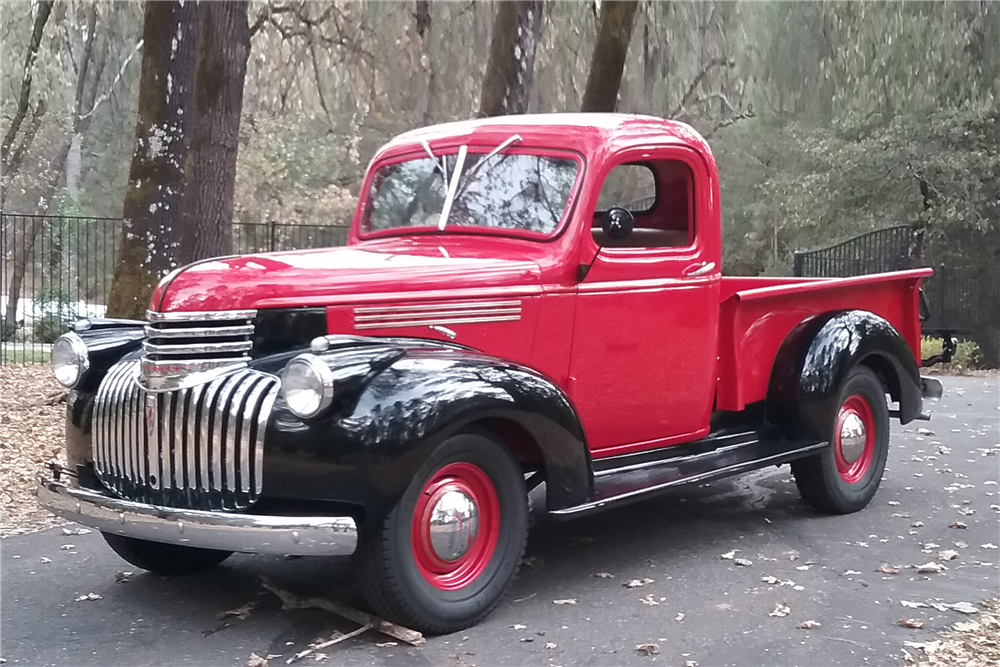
{"x":845,"y":476}
{"x":445,"y":554}
{"x":456,"y":525}
{"x":854,"y":439}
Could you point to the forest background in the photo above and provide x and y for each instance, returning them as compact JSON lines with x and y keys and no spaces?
{"x":827,"y":119}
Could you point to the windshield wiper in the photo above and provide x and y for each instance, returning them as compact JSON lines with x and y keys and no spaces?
{"x":467,"y":178}
{"x":452,"y":187}
{"x":512,"y":139}
{"x":440,"y":163}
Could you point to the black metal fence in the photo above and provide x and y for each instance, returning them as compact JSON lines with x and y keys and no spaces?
{"x":56,"y":269}
{"x":959,"y":302}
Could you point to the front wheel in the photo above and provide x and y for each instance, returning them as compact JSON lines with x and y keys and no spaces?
{"x":444,"y":556}
{"x":167,"y":559}
{"x":843,"y":477}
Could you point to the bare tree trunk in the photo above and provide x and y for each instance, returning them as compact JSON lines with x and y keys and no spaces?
{"x":608,"y":62}
{"x":153,"y":210}
{"x":223,"y":49}
{"x":424,"y":24}
{"x":511,"y":67}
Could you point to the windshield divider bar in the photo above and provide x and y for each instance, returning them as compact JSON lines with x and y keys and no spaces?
{"x":452,"y":187}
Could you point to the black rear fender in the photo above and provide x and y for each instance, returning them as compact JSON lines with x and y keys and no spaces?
{"x":816,"y":357}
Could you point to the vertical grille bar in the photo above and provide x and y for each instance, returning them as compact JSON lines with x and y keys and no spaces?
{"x":192,"y":444}
{"x":176,"y":436}
{"x":219,"y":431}
{"x":246,"y":444}
{"x":262,"y":415}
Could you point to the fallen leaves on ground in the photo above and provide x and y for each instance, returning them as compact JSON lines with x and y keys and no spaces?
{"x":969,"y":643}
{"x":808,"y":625}
{"x":89,"y":597}
{"x":885,"y":568}
{"x":32,"y":435}
{"x":914,"y":623}
{"x":256,"y":661}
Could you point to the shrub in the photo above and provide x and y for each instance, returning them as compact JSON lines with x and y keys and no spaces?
{"x":967,"y":353}
{"x":47,"y":329}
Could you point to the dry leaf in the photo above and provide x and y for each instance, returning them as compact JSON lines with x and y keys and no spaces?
{"x":911,"y":623}
{"x":551,"y":645}
{"x":88,"y":597}
{"x":636,"y":583}
{"x":604,"y":575}
{"x":123,"y":577}
{"x":649,"y":600}
{"x":648,"y":649}
{"x":240,"y":612}
{"x":256,"y":661}
{"x":519,"y":626}
{"x":947,"y":554}
{"x":958,"y":524}
{"x":679,"y":616}
{"x":743,"y":562}
{"x":808,"y":625}
{"x":885,"y":568}
{"x":729,"y":555}
{"x":780,"y":610}
{"x":565,"y":601}
{"x":930,"y":568}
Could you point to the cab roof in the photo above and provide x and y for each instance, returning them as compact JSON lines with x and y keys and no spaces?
{"x":585,"y":132}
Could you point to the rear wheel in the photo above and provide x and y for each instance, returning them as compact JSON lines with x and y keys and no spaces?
{"x":843,"y":478}
{"x":445,"y":555}
{"x":161,"y":558}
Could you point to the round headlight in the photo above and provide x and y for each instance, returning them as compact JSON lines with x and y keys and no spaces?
{"x":307,"y":383}
{"x":70,"y":360}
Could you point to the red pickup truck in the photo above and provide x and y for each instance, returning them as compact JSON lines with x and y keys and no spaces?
{"x":523,"y":300}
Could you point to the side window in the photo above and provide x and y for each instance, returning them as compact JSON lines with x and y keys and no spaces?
{"x":631,"y":186}
{"x":660,"y":196}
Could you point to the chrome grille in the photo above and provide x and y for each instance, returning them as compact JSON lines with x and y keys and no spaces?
{"x":183,"y":350}
{"x":200,"y":447}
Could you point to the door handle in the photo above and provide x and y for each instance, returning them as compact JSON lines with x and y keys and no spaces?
{"x":696,"y":270}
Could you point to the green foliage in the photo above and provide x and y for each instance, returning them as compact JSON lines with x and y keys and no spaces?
{"x":967,"y":353}
{"x":8,"y":330}
{"x":48,"y":328}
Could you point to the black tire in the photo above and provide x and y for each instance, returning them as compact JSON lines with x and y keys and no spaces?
{"x":394,"y":553}
{"x":166,"y":559}
{"x":830,"y":481}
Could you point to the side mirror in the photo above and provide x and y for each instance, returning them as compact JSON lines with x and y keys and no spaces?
{"x":617,"y":222}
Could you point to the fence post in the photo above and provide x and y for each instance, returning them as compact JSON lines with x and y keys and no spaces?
{"x":271,"y":229}
{"x":797,"y":264}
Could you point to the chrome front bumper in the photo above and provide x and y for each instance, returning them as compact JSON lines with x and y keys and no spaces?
{"x":248,"y":533}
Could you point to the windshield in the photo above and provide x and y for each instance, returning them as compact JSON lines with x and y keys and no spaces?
{"x":512,"y":191}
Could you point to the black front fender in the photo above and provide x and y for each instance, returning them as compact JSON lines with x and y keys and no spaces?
{"x":366,"y":451}
{"x":816,"y":357}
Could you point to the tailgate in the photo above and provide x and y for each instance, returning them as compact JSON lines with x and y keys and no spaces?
{"x":757,"y":314}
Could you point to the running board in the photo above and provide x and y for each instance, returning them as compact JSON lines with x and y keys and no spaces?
{"x":702,"y":461}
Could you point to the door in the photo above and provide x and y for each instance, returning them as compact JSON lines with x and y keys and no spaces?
{"x":643,"y":365}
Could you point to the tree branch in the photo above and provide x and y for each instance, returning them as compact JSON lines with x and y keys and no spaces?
{"x":121,"y":72}
{"x":44,"y":9}
{"x":696,"y":81}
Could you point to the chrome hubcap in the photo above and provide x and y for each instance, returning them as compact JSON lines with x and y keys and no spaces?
{"x":453,"y":525}
{"x":852,"y":438}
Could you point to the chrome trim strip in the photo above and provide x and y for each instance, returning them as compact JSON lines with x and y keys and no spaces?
{"x":435,"y":322}
{"x":199,"y":332}
{"x":246,"y":444}
{"x":173,"y":349}
{"x":438,"y":314}
{"x":248,"y":533}
{"x":219,"y":439}
{"x":376,"y":310}
{"x":201,"y":316}
{"x":165,"y":376}
{"x":232,"y":433}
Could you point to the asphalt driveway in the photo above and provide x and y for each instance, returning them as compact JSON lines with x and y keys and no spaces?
{"x":62,"y":605}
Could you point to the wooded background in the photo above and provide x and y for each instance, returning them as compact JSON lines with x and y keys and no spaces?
{"x":827,"y":119}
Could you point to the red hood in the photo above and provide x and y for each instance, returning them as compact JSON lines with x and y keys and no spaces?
{"x":328,"y":275}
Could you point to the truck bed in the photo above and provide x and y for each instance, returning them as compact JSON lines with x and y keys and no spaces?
{"x":757,"y":315}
